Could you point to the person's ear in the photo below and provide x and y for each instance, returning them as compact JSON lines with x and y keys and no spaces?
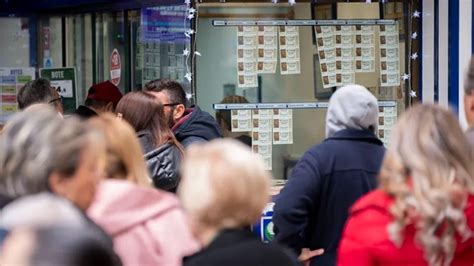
{"x":179,"y":112}
{"x":57,"y":184}
{"x":109,"y":107}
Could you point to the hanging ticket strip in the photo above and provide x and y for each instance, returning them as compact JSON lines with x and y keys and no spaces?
{"x":289,"y":50}
{"x":247,"y":56}
{"x":272,"y":123}
{"x":389,"y":55}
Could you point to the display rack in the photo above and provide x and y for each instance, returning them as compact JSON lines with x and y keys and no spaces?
{"x":300,"y":105}
{"x":301,"y":22}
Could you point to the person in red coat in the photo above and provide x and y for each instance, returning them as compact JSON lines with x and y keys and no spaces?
{"x":423,"y":211}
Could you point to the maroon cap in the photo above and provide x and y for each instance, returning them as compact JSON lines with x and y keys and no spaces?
{"x":105,"y":91}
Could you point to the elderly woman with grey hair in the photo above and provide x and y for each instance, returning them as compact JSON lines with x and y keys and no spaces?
{"x":224,"y":188}
{"x":42,"y":152}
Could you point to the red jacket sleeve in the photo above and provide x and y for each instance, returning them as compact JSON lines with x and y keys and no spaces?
{"x":353,"y":248}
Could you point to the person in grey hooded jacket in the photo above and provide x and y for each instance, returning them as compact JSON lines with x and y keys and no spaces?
{"x":311,"y":210}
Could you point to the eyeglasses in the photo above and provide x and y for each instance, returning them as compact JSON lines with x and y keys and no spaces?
{"x":60,"y":99}
{"x":171,"y":104}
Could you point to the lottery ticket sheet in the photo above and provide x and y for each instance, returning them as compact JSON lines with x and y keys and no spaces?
{"x":282,"y":126}
{"x":364,"y":49}
{"x":241,"y":120}
{"x":267,"y":49}
{"x":389,"y":56}
{"x":262,"y":125}
{"x":387,"y":119}
{"x":289,"y":40}
{"x":247,"y":46}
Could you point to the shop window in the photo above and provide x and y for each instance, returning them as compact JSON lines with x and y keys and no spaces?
{"x":299,"y":67}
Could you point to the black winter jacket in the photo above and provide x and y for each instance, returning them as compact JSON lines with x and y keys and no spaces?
{"x":233,"y":247}
{"x":163,"y":162}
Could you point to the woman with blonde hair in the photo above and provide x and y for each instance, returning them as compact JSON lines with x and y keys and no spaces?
{"x":224,"y":189}
{"x":423,"y":212}
{"x":147,"y":225}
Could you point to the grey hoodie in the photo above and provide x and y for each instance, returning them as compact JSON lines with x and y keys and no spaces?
{"x":351,"y":107}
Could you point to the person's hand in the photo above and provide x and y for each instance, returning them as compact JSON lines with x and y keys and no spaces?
{"x":307,"y":254}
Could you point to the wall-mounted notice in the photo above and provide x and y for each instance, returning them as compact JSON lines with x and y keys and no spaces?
{"x":289,"y":50}
{"x":387,"y":119}
{"x":247,"y":45}
{"x":389,"y":56}
{"x":364,"y":49}
{"x":11,"y":80}
{"x":63,"y":80}
{"x":241,"y":120}
{"x":267,"y":49}
{"x":282,"y":126}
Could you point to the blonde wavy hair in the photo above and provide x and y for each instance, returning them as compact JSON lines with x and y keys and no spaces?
{"x":428,"y":170}
{"x":124,"y":154}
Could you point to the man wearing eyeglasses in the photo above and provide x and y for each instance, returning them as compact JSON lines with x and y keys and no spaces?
{"x":189,"y":125}
{"x":39,"y":91}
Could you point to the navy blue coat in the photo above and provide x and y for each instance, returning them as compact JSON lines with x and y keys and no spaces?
{"x":197,"y":126}
{"x":312,"y":209}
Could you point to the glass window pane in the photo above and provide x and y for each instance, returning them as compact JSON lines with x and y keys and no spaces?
{"x":110,"y":37}
{"x":79,"y":52}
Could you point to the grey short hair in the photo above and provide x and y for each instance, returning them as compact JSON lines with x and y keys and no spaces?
{"x":36,"y":91}
{"x":36,"y":143}
{"x":469,"y":86}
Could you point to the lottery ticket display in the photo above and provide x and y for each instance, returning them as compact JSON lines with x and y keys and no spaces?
{"x":267,"y":49}
{"x":289,"y":50}
{"x":389,"y":56}
{"x":387,"y":119}
{"x":364,"y":49}
{"x":247,"y":47}
{"x":336,"y":55}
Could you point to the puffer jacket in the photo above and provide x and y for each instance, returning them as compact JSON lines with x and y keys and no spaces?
{"x":163,"y":162}
{"x":366,"y":240}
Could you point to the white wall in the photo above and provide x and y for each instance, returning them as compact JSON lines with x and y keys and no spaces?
{"x":14,"y":44}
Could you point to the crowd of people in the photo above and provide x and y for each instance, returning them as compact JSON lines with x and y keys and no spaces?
{"x":146,"y":179}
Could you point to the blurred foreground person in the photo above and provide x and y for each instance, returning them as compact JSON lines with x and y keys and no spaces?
{"x":56,"y":246}
{"x":224,"y":189}
{"x":423,"y":212}
{"x":469,"y":102}
{"x":163,"y":153}
{"x":147,"y":225}
{"x":311,"y":210}
{"x":43,"y":153}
